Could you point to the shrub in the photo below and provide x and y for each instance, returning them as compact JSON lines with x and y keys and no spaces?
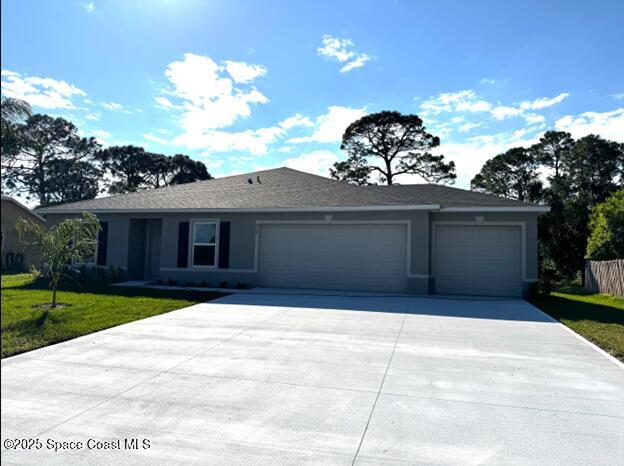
{"x":173,"y":282}
{"x":35,"y":272}
{"x":606,"y":240}
{"x":223,"y":284}
{"x":115,"y":274}
{"x":548,"y":278}
{"x":204,"y":284}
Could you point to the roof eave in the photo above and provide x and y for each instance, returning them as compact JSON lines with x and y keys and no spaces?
{"x":249,"y":210}
{"x":500,"y":209}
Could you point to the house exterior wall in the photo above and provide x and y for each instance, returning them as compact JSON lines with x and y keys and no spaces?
{"x":126,"y":238}
{"x":10,"y":239}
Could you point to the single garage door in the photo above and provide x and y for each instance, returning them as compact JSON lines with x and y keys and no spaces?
{"x":478,"y":260}
{"x":334,"y":256}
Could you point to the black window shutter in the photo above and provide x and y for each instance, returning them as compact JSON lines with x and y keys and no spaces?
{"x":102,"y":244}
{"x":183,"y":244}
{"x":224,"y":245}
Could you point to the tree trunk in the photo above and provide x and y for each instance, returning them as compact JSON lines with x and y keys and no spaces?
{"x":53,"y":296}
{"x":388,"y":172}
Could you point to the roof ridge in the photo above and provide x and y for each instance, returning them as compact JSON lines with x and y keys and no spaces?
{"x":454,"y":188}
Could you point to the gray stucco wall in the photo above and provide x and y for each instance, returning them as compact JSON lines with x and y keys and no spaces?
{"x":125,"y":236}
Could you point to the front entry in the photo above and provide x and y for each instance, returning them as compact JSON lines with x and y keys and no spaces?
{"x":144,"y":249}
{"x":152,"y":249}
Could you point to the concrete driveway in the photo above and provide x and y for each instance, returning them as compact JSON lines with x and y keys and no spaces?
{"x":297,"y":379}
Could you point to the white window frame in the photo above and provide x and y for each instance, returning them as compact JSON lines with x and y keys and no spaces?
{"x":192,"y":243}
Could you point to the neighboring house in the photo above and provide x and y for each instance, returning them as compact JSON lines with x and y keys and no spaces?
{"x":14,"y":253}
{"x":286,"y":228}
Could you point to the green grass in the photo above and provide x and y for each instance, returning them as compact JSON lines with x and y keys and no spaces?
{"x":597,"y":317}
{"x":88,"y":309}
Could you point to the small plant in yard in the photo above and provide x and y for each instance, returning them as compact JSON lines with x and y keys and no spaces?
{"x":548,"y":279}
{"x":172,"y":282}
{"x":223,"y":284}
{"x":71,"y":240}
{"x":243,"y":286}
{"x":115,"y":274}
{"x":204,"y":284}
{"x":190,"y":284}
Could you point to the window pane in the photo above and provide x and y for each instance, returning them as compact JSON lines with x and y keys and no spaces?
{"x":204,"y":233}
{"x":204,"y":255}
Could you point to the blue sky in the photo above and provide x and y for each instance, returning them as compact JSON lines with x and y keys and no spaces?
{"x":245,"y":85}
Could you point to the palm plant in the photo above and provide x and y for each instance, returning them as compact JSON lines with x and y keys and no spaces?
{"x":13,"y":111}
{"x":71,"y":240}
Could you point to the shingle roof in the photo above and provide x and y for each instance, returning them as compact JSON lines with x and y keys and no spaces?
{"x":285,"y":188}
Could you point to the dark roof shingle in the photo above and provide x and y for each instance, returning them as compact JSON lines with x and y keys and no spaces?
{"x":285,"y":188}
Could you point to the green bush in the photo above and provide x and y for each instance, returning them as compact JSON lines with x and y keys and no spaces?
{"x":606,"y":225}
{"x":547,"y":280}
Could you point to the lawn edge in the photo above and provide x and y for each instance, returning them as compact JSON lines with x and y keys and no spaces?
{"x":594,"y":346}
{"x":27,"y":352}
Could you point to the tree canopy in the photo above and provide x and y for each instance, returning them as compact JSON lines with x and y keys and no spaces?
{"x":41,"y":144}
{"x":606,"y":238}
{"x":513,"y":174}
{"x":391,"y":144}
{"x":131,"y":168}
{"x":583,"y":174}
{"x":552,"y":149}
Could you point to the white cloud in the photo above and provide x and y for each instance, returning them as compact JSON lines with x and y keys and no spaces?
{"x":210,"y":162}
{"x":488,"y":81}
{"x":341,"y":50}
{"x":46,"y":93}
{"x":89,"y":8}
{"x":446,"y":101}
{"x":468,"y":101}
{"x":502,"y":112}
{"x":543,"y":102}
{"x":103,"y":137}
{"x":209,"y":98}
{"x":92,"y":116}
{"x":255,"y":141}
{"x":331,"y":126}
{"x":317,"y":162}
{"x":609,"y":125}
{"x":534,"y":118}
{"x":618,"y":96}
{"x":114,"y":107}
{"x":296,"y":120}
{"x":468,"y":126}
{"x":153,"y":138}
{"x":242,"y":72}
{"x":164,"y":103}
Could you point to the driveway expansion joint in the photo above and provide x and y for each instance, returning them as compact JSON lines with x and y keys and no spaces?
{"x":383,"y":379}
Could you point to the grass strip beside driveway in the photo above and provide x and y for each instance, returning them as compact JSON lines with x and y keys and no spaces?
{"x":597,"y":317}
{"x":89,"y":308}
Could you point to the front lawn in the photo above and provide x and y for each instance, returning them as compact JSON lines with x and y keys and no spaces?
{"x":87,"y":309}
{"x":597,"y":317}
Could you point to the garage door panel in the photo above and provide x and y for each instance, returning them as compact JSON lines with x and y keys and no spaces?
{"x":347,"y":256}
{"x":478,"y":259}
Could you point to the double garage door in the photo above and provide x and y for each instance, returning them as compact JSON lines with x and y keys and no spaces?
{"x":369,"y":257}
{"x":466,"y":259}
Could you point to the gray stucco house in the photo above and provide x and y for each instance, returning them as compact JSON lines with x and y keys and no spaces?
{"x":286,"y":228}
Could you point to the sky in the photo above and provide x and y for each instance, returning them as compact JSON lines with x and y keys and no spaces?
{"x":250,"y":85}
